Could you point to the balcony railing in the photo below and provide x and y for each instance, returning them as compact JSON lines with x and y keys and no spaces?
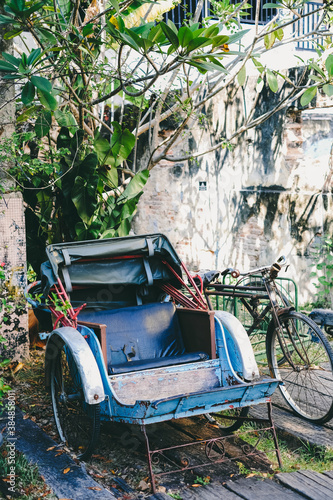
{"x":308,"y":24}
{"x":186,"y":9}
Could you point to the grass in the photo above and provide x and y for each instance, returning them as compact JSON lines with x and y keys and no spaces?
{"x":301,"y":456}
{"x":28,"y":482}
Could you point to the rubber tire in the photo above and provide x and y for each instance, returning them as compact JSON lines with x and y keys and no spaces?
{"x":303,"y":388}
{"x":63,"y":417}
{"x":234,"y":426}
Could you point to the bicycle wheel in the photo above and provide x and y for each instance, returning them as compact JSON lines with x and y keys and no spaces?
{"x":302,"y":358}
{"x":78,"y":423}
{"x":228,"y":424}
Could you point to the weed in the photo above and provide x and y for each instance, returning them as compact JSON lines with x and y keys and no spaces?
{"x":202,"y":480}
{"x":304,"y":456}
{"x":29,"y":483}
{"x":176,"y":496}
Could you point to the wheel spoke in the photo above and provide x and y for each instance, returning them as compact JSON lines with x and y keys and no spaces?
{"x":77,"y":422}
{"x":302,"y":358}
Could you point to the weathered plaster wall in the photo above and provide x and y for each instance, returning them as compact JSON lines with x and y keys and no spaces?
{"x":271,"y":195}
{"x":13,"y":320}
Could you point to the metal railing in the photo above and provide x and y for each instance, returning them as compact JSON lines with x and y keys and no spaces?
{"x":308,"y":24}
{"x":186,"y":9}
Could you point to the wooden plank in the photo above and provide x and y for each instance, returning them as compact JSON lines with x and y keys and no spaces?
{"x":305,"y":486}
{"x":328,"y":473}
{"x":321,"y":479}
{"x":291,"y":425}
{"x":213,"y":491}
{"x":165,"y":382}
{"x":258,"y":489}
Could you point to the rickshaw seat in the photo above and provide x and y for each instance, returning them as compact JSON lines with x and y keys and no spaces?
{"x":142,"y":337}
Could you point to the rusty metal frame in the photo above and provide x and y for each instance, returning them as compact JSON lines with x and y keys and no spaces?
{"x":215,"y":444}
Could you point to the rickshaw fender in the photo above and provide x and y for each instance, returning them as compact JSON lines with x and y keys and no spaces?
{"x":86,"y":363}
{"x":239,"y":346}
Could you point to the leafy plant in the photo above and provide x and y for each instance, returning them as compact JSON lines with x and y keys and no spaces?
{"x":323,"y":257}
{"x":4,"y":308}
{"x":202,"y":480}
{"x":98,"y":83}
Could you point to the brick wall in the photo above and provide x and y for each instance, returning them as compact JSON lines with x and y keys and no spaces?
{"x":271,"y":195}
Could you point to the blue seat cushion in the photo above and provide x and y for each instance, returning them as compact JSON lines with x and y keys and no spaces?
{"x":145,"y":364}
{"x":141,"y":337}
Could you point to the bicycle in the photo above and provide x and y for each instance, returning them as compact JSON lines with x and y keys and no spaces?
{"x":298,"y":353}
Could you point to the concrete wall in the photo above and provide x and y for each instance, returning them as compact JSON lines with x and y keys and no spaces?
{"x":271,"y":195}
{"x":13,"y":319}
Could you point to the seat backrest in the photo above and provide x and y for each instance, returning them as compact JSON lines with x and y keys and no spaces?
{"x":141,"y":332}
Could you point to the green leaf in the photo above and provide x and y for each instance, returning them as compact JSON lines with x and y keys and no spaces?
{"x":43,"y":124}
{"x":237,"y":36}
{"x":11,"y":59}
{"x":12,"y":33}
{"x":66,"y":119}
{"x":110,"y":177}
{"x":317,"y":68}
{"x":33,"y":56}
{"x":272,"y":5}
{"x":272,"y":81}
{"x":47,"y":100}
{"x":258,"y":65}
{"x":6,"y":66}
{"x":42,"y":83}
{"x":185,"y":35}
{"x":269,"y":40}
{"x":308,"y":95}
{"x":124,"y":228}
{"x":88,"y":29}
{"x":329,"y":65}
{"x":135,"y":186}
{"x":170,"y":34}
{"x":279,"y":34}
{"x":28,"y":93}
{"x":328,"y":89}
{"x":47,"y":35}
{"x":84,"y":198}
{"x":172,"y":26}
{"x":156,"y":34}
{"x":26,"y":114}
{"x":260,"y":85}
{"x":122,"y":143}
{"x":219,"y":40}
{"x":198,"y":42}
{"x":88,"y":166}
{"x":211,"y":31}
{"x":6,"y":19}
{"x":241,"y":76}
{"x":17,"y":6}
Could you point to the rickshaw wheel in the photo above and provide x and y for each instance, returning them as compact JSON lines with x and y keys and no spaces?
{"x":78,"y":423}
{"x":229,"y":424}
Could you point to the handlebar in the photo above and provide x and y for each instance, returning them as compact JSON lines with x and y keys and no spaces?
{"x":208,"y":277}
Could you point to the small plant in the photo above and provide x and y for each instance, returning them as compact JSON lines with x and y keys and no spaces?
{"x":5,"y":308}
{"x":29,"y":485}
{"x":202,"y":480}
{"x":176,"y":496}
{"x":323,"y":257}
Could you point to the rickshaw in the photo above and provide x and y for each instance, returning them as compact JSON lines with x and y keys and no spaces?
{"x":133,"y":341}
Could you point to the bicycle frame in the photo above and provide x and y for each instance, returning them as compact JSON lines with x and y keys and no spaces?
{"x":250,"y":297}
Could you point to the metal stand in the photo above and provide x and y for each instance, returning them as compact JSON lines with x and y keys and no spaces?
{"x":214,"y":449}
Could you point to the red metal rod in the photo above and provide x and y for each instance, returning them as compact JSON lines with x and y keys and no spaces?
{"x":200,"y":303}
{"x":179,"y":297}
{"x":191,"y":280}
